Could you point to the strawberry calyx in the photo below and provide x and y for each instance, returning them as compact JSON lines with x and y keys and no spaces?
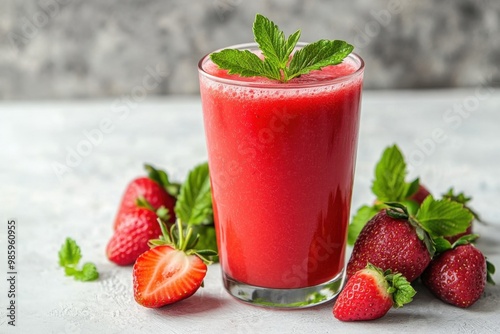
{"x":162,"y":212}
{"x":183,"y":240}
{"x":462,"y":199}
{"x":399,"y":211}
{"x":443,"y":245}
{"x":398,"y":286}
{"x":161,"y":177}
{"x":490,"y":270}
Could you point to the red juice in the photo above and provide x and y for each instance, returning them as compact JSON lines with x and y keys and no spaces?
{"x":282,"y":158}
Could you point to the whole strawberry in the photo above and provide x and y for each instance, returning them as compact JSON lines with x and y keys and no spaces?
{"x":156,"y":189}
{"x":389,"y":243}
{"x":137,"y":226}
{"x":395,"y":240}
{"x":370,"y":293}
{"x":458,"y":275}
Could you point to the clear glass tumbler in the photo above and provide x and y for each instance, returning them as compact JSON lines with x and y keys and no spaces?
{"x":282,"y":158}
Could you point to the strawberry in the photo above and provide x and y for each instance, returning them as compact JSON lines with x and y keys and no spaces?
{"x":393,"y":239}
{"x":420,"y":194}
{"x":390,"y":243}
{"x":171,"y":271}
{"x":458,"y":275}
{"x":156,"y":189}
{"x":137,"y":226}
{"x":370,"y":293}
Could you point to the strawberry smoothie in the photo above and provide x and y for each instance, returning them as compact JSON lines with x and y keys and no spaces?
{"x":282,"y":159}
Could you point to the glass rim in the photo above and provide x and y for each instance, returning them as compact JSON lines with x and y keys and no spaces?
{"x":278,"y":85}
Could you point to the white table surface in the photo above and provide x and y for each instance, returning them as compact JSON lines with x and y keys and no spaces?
{"x":168,"y":133}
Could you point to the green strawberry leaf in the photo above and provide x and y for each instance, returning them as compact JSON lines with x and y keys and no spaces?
{"x":403,"y":291}
{"x":464,"y":240}
{"x":443,"y":217}
{"x":389,"y":183}
{"x":442,"y":245}
{"x":359,"y":220}
{"x":397,"y":210}
{"x":194,"y":204}
{"x":207,"y":241}
{"x":461,"y":198}
{"x":70,"y":254}
{"x":490,"y":268}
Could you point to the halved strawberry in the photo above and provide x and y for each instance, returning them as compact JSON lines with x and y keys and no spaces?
{"x":171,"y":271}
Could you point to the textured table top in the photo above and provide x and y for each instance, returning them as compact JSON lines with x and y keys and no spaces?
{"x":449,"y":138}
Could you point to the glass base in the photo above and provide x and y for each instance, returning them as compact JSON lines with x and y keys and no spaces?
{"x":284,"y":298}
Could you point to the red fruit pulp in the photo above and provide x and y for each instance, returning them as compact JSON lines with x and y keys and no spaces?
{"x":282,"y":161}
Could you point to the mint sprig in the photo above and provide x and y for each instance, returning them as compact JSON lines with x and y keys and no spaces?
{"x":69,"y":257}
{"x":389,"y":185}
{"x":390,"y":172}
{"x":277,"y":51}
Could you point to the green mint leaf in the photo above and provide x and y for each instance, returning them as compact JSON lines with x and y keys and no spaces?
{"x":389,"y":183}
{"x":359,"y":220}
{"x":412,"y":187}
{"x":70,"y":271}
{"x":277,"y":51}
{"x":70,"y":254}
{"x":88,"y":273}
{"x":317,"y":55}
{"x":443,"y":217}
{"x":291,"y":42}
{"x":275,"y":48}
{"x":194,"y":204}
{"x":403,"y":291}
{"x":244,"y":63}
{"x":161,"y":177}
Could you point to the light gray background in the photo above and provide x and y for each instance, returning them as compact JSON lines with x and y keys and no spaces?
{"x":93,"y":48}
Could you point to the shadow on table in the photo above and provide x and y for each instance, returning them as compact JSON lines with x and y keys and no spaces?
{"x":198,"y":303}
